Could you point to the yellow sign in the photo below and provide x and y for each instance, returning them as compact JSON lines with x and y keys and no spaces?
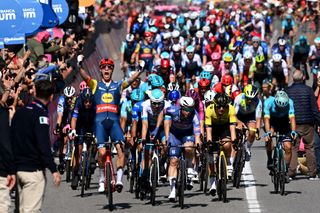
{"x":86,"y":3}
{"x":107,"y":98}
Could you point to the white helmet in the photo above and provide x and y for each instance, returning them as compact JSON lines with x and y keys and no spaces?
{"x":152,"y":22}
{"x":166,"y":35}
{"x":277,"y":57}
{"x":140,"y":20}
{"x":206,"y":29}
{"x":186,"y":101}
{"x":69,"y":91}
{"x":247,"y":55}
{"x":166,"y":26}
{"x":173,"y":86}
{"x":222,"y":30}
{"x":129,"y":37}
{"x":175,"y":34}
{"x":282,"y":41}
{"x":176,"y":47}
{"x":174,"y":16}
{"x":258,"y":16}
{"x":199,"y":34}
{"x":215,"y":80}
{"x":317,"y":41}
{"x":209,"y":96}
{"x":281,"y":99}
{"x":193,"y":15}
{"x":208,"y":67}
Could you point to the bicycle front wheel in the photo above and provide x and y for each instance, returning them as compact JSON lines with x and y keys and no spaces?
{"x":68,"y":170}
{"x":275,"y":177}
{"x":239,"y":164}
{"x":83,"y":173}
{"x":108,"y":185}
{"x":154,"y":177}
{"x":181,"y":182}
{"x":282,"y":174}
{"x":206,"y":174}
{"x":223,"y":178}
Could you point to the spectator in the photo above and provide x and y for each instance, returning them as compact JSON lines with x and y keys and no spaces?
{"x":7,"y":168}
{"x":32,"y":149}
{"x":307,"y":115}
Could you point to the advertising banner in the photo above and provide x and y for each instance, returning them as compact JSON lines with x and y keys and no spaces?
{"x":32,"y":16}
{"x":50,"y":19}
{"x":11,"y":17}
{"x":61,"y":9}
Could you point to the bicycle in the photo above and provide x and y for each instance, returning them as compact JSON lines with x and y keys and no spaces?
{"x":278,"y":175}
{"x":220,"y":163}
{"x":88,"y":161}
{"x":182,"y":173}
{"x":239,"y":161}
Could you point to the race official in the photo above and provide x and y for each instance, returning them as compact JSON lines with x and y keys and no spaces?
{"x":31,"y":147}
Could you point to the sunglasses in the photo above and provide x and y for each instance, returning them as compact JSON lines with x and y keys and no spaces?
{"x":156,"y":104}
{"x":187,"y":109}
{"x":107,"y":67}
{"x":220,"y":106}
{"x":189,"y":53}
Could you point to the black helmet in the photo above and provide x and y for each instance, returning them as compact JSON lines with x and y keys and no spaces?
{"x":86,"y":95}
{"x":221,"y":100}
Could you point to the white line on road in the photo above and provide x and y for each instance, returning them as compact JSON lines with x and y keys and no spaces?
{"x":251,"y":192}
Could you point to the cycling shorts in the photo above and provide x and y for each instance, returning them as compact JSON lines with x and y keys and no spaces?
{"x":113,"y":131}
{"x":281,"y":125}
{"x":246,"y":118}
{"x":220,"y":131}
{"x":175,"y":141}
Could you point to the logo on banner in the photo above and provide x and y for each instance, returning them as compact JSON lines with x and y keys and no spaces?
{"x":29,"y":13}
{"x":61,"y":9}
{"x":6,"y":15}
{"x":57,"y":8}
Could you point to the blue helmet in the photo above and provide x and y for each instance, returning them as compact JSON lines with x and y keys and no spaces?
{"x":86,"y":95}
{"x":181,"y":20}
{"x":137,"y":95}
{"x":174,"y":95}
{"x":157,"y":81}
{"x":156,"y":96}
{"x":205,"y":74}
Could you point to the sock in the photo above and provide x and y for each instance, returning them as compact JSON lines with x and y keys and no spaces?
{"x":231,"y":160}
{"x":101,"y":172}
{"x":212,"y":179}
{"x":172,"y":182}
{"x":119,"y":175}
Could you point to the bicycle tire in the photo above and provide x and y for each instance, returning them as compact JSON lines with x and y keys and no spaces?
{"x":154,"y":175}
{"x":275,"y":172}
{"x":68,"y":171}
{"x":131,"y":176}
{"x":206,"y":175}
{"x":83,"y":173}
{"x":239,"y":168}
{"x":223,"y":178}
{"x":182,"y":182}
{"x":88,"y":169}
{"x":282,"y":174}
{"x":108,"y":184}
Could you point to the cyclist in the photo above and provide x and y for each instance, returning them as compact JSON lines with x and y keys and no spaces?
{"x":246,"y":68}
{"x":249,"y":109}
{"x":220,"y":125}
{"x":181,"y":126}
{"x":279,"y":71}
{"x":288,"y":27}
{"x":140,"y":27}
{"x":261,"y":71}
{"x":282,"y":48}
{"x":279,"y":117}
{"x":82,"y":122}
{"x":228,"y":67}
{"x":222,"y":38}
{"x":64,"y":109}
{"x":300,"y":54}
{"x":314,"y":55}
{"x":127,"y":49}
{"x":211,"y":47}
{"x":107,"y":95}
{"x":164,"y":70}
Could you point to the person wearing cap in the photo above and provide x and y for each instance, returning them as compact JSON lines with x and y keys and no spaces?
{"x":107,"y":94}
{"x":127,"y":49}
{"x":145,"y":51}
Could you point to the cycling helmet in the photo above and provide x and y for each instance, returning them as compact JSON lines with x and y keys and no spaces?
{"x":193,"y":15}
{"x":165,"y":63}
{"x":153,"y":29}
{"x":204,"y":82}
{"x":288,"y":16}
{"x":82,"y":85}
{"x":186,"y":102}
{"x":148,"y":34}
{"x":106,"y":61}
{"x":208,"y":67}
{"x":205,"y":74}
{"x":247,"y":55}
{"x":222,"y":30}
{"x":227,"y":80}
{"x":166,"y":35}
{"x":317,"y":41}
{"x":174,"y":16}
{"x":152,"y":22}
{"x":250,"y":91}
{"x":202,"y":14}
{"x":181,"y":20}
{"x":129,"y":37}
{"x":86,"y":95}
{"x":215,"y":56}
{"x":199,"y":34}
{"x":232,"y":46}
{"x":69,"y":91}
{"x":137,"y":95}
{"x":190,"y":49}
{"x":227,"y":57}
{"x":281,"y":99}
{"x":164,"y":55}
{"x":174,"y":95}
{"x":193,"y":94}
{"x":157,"y":81}
{"x":213,"y":39}
{"x":277,"y":57}
{"x":176,"y":47}
{"x":140,"y":20}
{"x":258,"y":16}
{"x":260,"y":58}
{"x":173,"y":86}
{"x":209,"y":96}
{"x":282,"y":41}
{"x":175,"y":34}
{"x":221,"y":100}
{"x":156,"y":96}
{"x":206,"y":29}
{"x":256,"y":39}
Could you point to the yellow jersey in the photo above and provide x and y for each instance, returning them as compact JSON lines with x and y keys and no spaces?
{"x":213,"y":118}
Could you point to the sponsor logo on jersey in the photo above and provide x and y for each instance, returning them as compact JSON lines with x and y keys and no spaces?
{"x":107,"y":98}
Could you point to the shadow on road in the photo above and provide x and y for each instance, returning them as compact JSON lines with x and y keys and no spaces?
{"x":118,"y":206}
{"x":187,"y":206}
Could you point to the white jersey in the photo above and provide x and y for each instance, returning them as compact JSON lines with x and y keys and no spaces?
{"x":148,"y":114}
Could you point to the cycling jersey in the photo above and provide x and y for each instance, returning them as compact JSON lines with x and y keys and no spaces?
{"x":271,"y":110}
{"x":149,"y":115}
{"x":285,"y":53}
{"x":245,"y":111}
{"x":137,"y":111}
{"x":279,"y":72}
{"x":182,"y":126}
{"x":126,"y":111}
{"x":191,"y":68}
{"x":65,"y":109}
{"x":287,"y":26}
{"x":213,"y":118}
{"x":128,"y":50}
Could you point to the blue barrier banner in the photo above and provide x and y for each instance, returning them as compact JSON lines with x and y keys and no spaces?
{"x":50,"y":19}
{"x":1,"y":43}
{"x":11,"y":17}
{"x":32,"y":16}
{"x":61,"y":8}
{"x":18,"y":38}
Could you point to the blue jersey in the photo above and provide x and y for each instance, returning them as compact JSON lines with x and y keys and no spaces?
{"x":65,"y":109}
{"x":137,"y":111}
{"x":271,"y":110}
{"x":182,"y":126}
{"x":126,"y":110}
{"x":85,"y":117}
